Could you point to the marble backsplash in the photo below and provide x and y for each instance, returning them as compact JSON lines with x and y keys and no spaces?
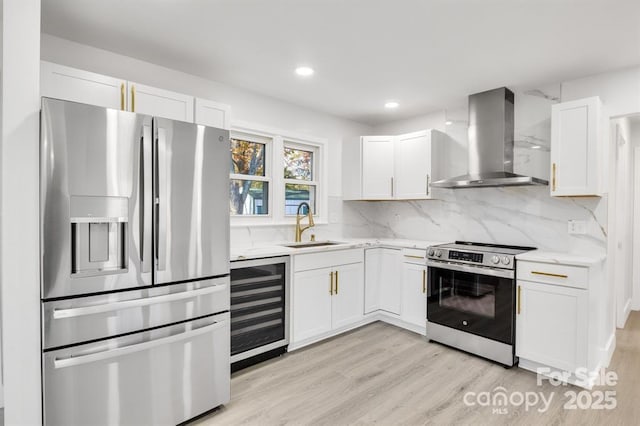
{"x":519,"y":215}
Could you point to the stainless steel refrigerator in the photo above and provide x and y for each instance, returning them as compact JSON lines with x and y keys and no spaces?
{"x":135,"y":267}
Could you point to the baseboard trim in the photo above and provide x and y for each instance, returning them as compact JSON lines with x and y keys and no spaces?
{"x":301,"y":344}
{"x":367,"y":319}
{"x":386,"y":318}
{"x":555,"y":373}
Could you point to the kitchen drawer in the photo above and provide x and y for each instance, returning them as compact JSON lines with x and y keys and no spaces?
{"x":550,"y":273}
{"x":414,"y":255}
{"x":306,"y":262}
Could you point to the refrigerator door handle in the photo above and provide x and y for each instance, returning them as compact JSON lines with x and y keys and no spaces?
{"x":145,"y":213}
{"x":126,"y":304}
{"x":72,"y":361}
{"x":160,"y":198}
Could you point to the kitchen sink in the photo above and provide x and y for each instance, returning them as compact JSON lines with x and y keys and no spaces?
{"x":308,"y":244}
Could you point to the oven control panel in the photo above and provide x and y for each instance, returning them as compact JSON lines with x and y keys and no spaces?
{"x":466,"y":256}
{"x":480,"y":258}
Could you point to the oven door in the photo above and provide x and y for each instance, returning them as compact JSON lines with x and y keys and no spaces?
{"x":473,"y":299}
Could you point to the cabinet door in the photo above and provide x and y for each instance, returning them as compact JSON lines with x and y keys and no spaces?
{"x":551,"y":325}
{"x":413,"y":165}
{"x":377,"y":167}
{"x":70,"y":84}
{"x":575,"y":129}
{"x":373,"y":267}
{"x":160,"y":103}
{"x":214,"y":114}
{"x":347,"y":301}
{"x":311,"y":307}
{"x":414,"y":294}
{"x":390,"y":276}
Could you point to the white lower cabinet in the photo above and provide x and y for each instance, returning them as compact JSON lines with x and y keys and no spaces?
{"x":414,"y":294}
{"x":311,"y":303}
{"x":382,"y":280}
{"x":328,"y":293}
{"x":348,"y":294}
{"x":551,"y":325}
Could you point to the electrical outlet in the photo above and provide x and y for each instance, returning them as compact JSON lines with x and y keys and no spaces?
{"x":577,"y":227}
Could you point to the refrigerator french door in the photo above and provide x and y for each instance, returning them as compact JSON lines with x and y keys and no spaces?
{"x":123,"y":194}
{"x":135,"y":266}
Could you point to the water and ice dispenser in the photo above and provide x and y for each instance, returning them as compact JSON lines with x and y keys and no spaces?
{"x":99,"y":227}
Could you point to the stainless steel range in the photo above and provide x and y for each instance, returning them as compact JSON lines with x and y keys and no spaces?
{"x":471,"y":298}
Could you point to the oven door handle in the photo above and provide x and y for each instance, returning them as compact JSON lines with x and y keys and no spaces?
{"x":502,"y":273}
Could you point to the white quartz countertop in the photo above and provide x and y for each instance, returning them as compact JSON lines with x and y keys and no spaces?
{"x":563,"y":258}
{"x":278,"y":249}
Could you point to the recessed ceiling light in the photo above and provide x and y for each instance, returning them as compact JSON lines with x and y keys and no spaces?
{"x":304,"y":71}
{"x":535,"y":147}
{"x":448,"y":122}
{"x":391,"y":105}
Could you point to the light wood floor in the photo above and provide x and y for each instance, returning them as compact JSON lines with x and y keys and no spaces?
{"x":385,"y":375}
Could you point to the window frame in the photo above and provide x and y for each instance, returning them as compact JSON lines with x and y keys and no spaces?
{"x":268,"y":169}
{"x":315,"y":150}
{"x":274,"y":173}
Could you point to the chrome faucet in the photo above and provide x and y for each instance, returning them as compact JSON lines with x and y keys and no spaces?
{"x":300,"y":229}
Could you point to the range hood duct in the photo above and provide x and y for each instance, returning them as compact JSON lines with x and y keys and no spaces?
{"x":490,"y":144}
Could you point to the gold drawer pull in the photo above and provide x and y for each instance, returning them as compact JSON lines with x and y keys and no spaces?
{"x":549,"y":274}
{"x":519,"y":298}
{"x":413,"y":256}
{"x":424,"y":280}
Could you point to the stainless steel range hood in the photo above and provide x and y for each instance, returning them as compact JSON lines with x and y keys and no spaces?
{"x":490,"y":144}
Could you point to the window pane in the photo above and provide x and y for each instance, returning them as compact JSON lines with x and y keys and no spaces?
{"x":298,"y":164}
{"x":295,"y":194}
{"x":249,"y":197}
{"x":247,"y":158}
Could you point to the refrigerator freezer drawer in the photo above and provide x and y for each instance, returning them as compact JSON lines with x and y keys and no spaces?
{"x":73,"y":321}
{"x":159,"y":377}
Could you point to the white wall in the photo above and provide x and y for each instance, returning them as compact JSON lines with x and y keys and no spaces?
{"x":246,"y":107}
{"x":635,"y":146}
{"x":618,"y":90}
{"x":623,"y":261}
{"x":19,"y":224}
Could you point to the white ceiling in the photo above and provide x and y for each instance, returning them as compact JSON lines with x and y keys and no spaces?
{"x":426,"y":54}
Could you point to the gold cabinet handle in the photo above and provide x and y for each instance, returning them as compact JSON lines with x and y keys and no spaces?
{"x":424,"y":280}
{"x":133,"y":98}
{"x":392,"y":186}
{"x":122,"y":106}
{"x":331,"y":283}
{"x":553,"y":177}
{"x":336,"y":282}
{"x":549,"y":274}
{"x":413,"y":256}
{"x":427,"y":184}
{"x":519,"y":298}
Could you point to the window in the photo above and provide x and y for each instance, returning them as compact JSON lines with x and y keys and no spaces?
{"x":249,"y":183}
{"x":299,"y":177}
{"x":272,"y":173}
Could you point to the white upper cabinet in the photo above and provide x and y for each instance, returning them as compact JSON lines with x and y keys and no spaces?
{"x":377,"y":167}
{"x":60,"y":82}
{"x":577,"y":148}
{"x":159,"y":102}
{"x":391,"y":167}
{"x":413,"y":166}
{"x":213,"y":114}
